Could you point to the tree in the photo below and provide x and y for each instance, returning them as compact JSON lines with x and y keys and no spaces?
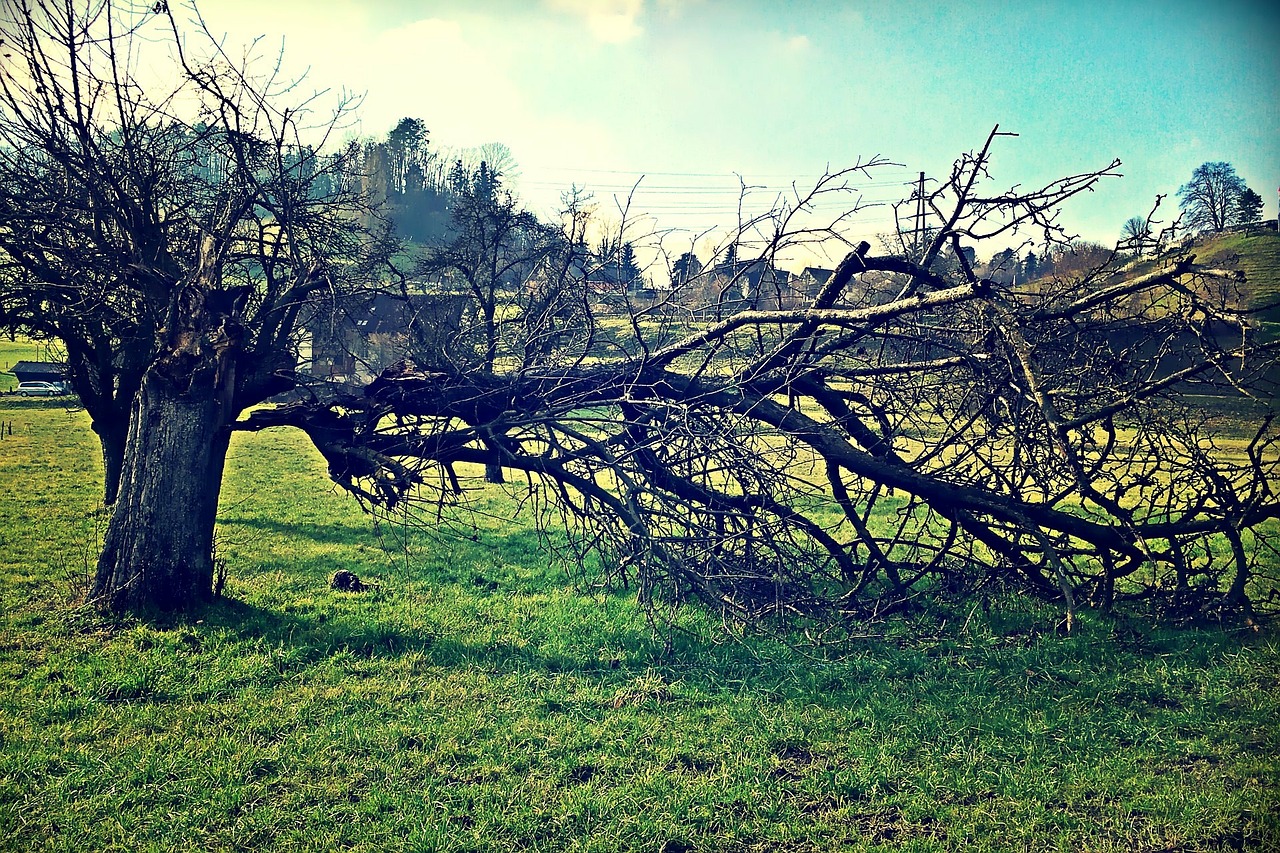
{"x":459,"y":180}
{"x":1248,"y":208}
{"x":1045,"y":265}
{"x":500,"y":160}
{"x":407,"y":148}
{"x":1210,"y":201}
{"x":730,"y":256}
{"x":1076,"y":260}
{"x":173,"y":255}
{"x":1003,"y":266}
{"x":627,"y":266}
{"x":1136,"y":233}
{"x":686,"y":267}
{"x":494,"y":249}
{"x":485,"y":184}
{"x":1030,"y":266}
{"x":514,"y":270}
{"x":406,"y":171}
{"x":835,"y":462}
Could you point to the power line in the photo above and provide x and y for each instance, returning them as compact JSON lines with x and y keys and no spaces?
{"x":641,"y":173}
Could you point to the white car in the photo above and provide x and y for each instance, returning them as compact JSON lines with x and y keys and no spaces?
{"x":39,"y":389}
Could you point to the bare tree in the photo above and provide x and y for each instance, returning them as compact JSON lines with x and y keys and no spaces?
{"x":1211,"y":199}
{"x":173,"y":241}
{"x":931,"y":432}
{"x":1136,"y":234}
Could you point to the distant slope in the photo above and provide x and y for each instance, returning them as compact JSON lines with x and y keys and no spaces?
{"x":1258,"y":254}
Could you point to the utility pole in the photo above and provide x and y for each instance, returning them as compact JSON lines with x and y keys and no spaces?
{"x":917,"y":232}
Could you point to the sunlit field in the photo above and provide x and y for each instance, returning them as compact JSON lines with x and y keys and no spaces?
{"x":473,"y":699}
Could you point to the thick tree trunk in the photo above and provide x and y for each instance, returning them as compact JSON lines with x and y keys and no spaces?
{"x":158,"y":552}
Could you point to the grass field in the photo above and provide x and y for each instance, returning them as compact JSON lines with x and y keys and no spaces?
{"x":473,"y":700}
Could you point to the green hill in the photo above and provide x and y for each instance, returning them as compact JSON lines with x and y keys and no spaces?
{"x":1258,"y":254}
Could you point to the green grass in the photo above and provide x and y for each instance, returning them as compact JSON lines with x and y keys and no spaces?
{"x":1258,"y":255}
{"x":473,"y":700}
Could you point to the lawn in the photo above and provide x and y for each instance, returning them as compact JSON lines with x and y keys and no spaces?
{"x":473,"y":699}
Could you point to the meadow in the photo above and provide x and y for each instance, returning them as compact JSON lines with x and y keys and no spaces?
{"x":473,"y":698}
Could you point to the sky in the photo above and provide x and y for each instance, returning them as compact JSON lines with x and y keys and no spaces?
{"x":693,"y":98}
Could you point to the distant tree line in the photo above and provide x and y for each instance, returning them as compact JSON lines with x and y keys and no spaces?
{"x":416,"y":184}
{"x":1214,"y":200}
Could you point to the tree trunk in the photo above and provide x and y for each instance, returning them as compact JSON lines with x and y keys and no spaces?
{"x":158,"y":552}
{"x":111,"y":437}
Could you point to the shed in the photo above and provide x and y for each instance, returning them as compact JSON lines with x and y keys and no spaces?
{"x":39,"y":371}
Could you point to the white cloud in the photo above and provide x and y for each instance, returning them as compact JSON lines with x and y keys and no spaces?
{"x":610,"y":21}
{"x":798,"y":44}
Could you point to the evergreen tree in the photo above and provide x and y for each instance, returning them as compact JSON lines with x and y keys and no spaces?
{"x":627,"y":259}
{"x":459,"y":182}
{"x":485,"y":184}
{"x":686,"y":267}
{"x":1248,"y":208}
{"x":627,"y":266}
{"x":731,"y":257}
{"x":406,"y":149}
{"x":1030,"y":266}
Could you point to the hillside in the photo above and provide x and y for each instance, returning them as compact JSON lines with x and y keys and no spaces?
{"x":1258,"y":254}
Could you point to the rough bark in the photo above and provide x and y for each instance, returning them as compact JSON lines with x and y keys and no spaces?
{"x":177,"y":262}
{"x":158,"y":553}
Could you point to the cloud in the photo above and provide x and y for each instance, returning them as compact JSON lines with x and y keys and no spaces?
{"x":798,"y":44}
{"x":610,"y":21}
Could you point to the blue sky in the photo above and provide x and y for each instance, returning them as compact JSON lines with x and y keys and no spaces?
{"x":693,"y":93}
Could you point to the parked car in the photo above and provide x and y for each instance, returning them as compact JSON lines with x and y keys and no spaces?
{"x":40,"y":389}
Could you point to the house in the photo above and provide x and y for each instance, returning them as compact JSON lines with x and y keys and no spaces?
{"x":732,"y":286}
{"x":606,"y":278}
{"x":357,"y":344}
{"x":810,"y":281}
{"x":609,"y":284}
